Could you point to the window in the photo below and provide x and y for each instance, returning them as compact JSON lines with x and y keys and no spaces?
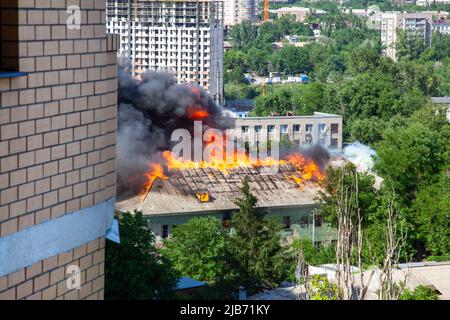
{"x":244,"y":129}
{"x":165,"y":231}
{"x":334,"y":128}
{"x":322,"y":127}
{"x":9,"y":44}
{"x":308,"y":139}
{"x":304,"y":222}
{"x":247,"y":147}
{"x":271,"y":128}
{"x":258,"y":129}
{"x":334,"y":143}
{"x":318,"y":221}
{"x":296,"y":128}
{"x":287,"y":222}
{"x":308,"y":127}
{"x":284,"y":129}
{"x":226,"y":218}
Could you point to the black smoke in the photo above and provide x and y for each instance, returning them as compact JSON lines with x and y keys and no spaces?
{"x":151,"y":107}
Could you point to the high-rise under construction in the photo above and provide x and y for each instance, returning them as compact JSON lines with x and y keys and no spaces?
{"x":184,"y":37}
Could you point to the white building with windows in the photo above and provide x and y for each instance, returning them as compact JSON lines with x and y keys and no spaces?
{"x":237,"y":11}
{"x":184,"y":37}
{"x":321,"y":128}
{"x":426,"y":3}
{"x":442,"y":26}
{"x":414,"y":24}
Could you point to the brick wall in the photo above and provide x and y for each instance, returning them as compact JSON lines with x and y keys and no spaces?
{"x":57,"y":128}
{"x":47,"y":279}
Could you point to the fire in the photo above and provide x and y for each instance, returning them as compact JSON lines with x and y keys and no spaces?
{"x":306,"y":170}
{"x":156,"y":171}
{"x":196,"y":113}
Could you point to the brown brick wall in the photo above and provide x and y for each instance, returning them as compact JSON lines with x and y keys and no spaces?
{"x":57,"y":136}
{"x":47,"y":279}
{"x":57,"y":124}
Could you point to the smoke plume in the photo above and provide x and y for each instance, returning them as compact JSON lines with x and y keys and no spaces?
{"x":360,"y":155}
{"x":151,"y":107}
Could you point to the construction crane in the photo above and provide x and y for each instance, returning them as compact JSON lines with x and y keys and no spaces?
{"x":266,"y":10}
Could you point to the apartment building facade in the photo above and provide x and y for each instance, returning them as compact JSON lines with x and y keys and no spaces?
{"x":321,"y":128}
{"x":442,"y":26}
{"x":414,"y":24}
{"x":58,"y":101}
{"x":237,"y":11}
{"x":427,"y":3}
{"x":184,"y":37}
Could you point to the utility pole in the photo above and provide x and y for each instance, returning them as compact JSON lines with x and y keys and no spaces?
{"x":313,"y":228}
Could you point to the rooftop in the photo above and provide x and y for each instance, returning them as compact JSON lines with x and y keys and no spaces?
{"x":240,"y":104}
{"x":178,"y":194}
{"x":441,"y":100}
{"x":315,"y":115}
{"x":189,"y":283}
{"x":297,"y":9}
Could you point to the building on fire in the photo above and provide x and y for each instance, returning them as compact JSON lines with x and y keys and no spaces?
{"x":290,"y":193}
{"x":196,"y":192}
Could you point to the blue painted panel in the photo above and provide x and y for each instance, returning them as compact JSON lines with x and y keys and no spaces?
{"x":48,"y":239}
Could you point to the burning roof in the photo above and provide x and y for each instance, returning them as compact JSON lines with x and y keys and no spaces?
{"x":206,"y":189}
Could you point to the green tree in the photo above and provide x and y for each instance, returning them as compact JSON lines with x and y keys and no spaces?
{"x":346,"y":178}
{"x":409,"y":46}
{"x":243,"y":35}
{"x":322,"y":289}
{"x":234,"y":63}
{"x":367,"y":130}
{"x":257,"y":60}
{"x":259,"y":258}
{"x":314,"y":255}
{"x":198,"y":249}
{"x":440,"y":44}
{"x":410,"y":156}
{"x":431,"y":216}
{"x":306,"y":99}
{"x":277,"y":102}
{"x":291,"y":60}
{"x":419,"y":293}
{"x":135,"y":269}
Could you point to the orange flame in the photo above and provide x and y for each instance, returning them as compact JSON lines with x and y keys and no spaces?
{"x":305,"y":169}
{"x":196,"y":113}
{"x":156,"y":171}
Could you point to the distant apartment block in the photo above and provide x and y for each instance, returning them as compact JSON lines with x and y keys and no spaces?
{"x":248,"y":10}
{"x":403,"y":1}
{"x":321,"y":128}
{"x":426,"y":3}
{"x":414,"y":24}
{"x":184,"y":37}
{"x":237,"y":11}
{"x":58,"y":101}
{"x":230,"y":12}
{"x":300,"y":13}
{"x":442,"y":26}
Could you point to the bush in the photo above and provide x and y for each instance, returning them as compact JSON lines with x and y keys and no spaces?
{"x":419,"y":293}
